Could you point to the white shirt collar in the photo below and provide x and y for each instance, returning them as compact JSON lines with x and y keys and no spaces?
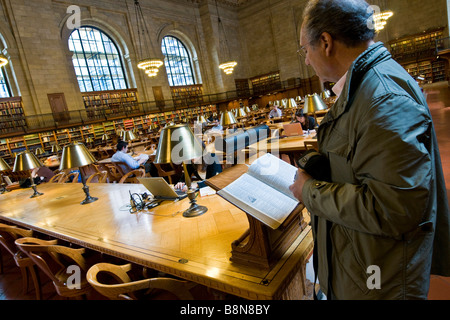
{"x":339,"y":86}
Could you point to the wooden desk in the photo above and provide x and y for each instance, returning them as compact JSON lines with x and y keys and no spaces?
{"x":292,"y":146}
{"x":197,"y":249}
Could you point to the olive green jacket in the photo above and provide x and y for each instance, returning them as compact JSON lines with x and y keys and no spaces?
{"x":387,"y":203}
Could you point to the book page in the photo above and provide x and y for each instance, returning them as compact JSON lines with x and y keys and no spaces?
{"x":259,"y":200}
{"x":275,"y":172}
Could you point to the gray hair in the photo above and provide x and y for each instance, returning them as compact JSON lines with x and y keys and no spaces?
{"x":348,"y":21}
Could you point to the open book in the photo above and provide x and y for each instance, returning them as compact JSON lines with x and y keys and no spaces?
{"x":263,"y":191}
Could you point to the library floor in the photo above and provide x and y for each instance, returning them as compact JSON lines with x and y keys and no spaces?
{"x":438,"y":97}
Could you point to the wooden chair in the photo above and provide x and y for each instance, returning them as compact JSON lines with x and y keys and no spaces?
{"x":124,"y":288}
{"x":111,"y":172}
{"x":99,"y":177}
{"x":8,"y":235}
{"x":311,"y":145}
{"x":131,"y":177}
{"x":59,"y":263}
{"x":165,"y":172}
{"x":57,"y":177}
{"x":67,"y":177}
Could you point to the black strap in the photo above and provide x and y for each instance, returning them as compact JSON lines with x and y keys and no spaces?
{"x":315,"y":224}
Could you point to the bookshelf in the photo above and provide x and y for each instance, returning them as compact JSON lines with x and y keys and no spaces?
{"x":242,"y":87}
{"x":12,"y":114}
{"x":417,"y":54}
{"x":266,"y":83}
{"x":9,"y":146}
{"x":113,"y":102}
{"x":187,"y":95}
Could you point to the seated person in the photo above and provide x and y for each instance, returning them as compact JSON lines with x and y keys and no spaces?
{"x":122,"y":155}
{"x":275,"y":112}
{"x":217,"y":126}
{"x":39,"y":175}
{"x":210,"y":162}
{"x":307,"y":122}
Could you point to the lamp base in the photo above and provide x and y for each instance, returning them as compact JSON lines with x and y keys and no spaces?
{"x":194,"y":210}
{"x":88,"y":198}
{"x":3,"y":189}
{"x":36,"y":193}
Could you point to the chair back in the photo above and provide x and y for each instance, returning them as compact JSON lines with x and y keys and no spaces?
{"x":57,"y":177}
{"x":131,"y":177}
{"x":67,"y":177}
{"x":125,"y":289}
{"x":99,"y":177}
{"x":54,"y":260}
{"x":9,"y":234}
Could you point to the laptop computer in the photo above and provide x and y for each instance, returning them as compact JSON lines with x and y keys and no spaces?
{"x":292,"y":129}
{"x":161,"y":190}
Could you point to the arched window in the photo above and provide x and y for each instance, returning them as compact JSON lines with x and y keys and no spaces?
{"x":97,"y":61}
{"x":5,"y":91}
{"x":177,"y":61}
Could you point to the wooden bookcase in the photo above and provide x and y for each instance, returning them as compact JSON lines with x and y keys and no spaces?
{"x":187,"y":95}
{"x":417,"y":54}
{"x":99,"y":103}
{"x":266,"y":83}
{"x":9,"y":146}
{"x":242,"y":87}
{"x":12,"y":114}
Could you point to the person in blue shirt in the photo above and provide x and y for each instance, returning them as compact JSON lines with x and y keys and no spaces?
{"x":122,"y":155}
{"x":275,"y":112}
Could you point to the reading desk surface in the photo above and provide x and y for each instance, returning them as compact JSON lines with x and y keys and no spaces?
{"x":197,"y":249}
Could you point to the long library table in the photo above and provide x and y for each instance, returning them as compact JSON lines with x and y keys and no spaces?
{"x":197,"y":249}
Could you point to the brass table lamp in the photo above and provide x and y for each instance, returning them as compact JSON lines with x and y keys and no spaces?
{"x":3,"y":167}
{"x":56,"y":148}
{"x":313,"y":103}
{"x":227,"y":119}
{"x":76,"y":155}
{"x":128,"y":136}
{"x":28,"y":161}
{"x":178,"y":144}
{"x":39,"y":151}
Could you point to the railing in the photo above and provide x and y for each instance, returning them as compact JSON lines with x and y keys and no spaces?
{"x":52,"y":121}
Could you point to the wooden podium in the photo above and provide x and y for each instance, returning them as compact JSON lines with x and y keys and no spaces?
{"x":260,"y":246}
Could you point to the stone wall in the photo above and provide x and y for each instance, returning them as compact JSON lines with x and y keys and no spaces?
{"x":262,"y":36}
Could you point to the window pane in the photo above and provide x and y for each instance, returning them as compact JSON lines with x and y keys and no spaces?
{"x":177,"y":62}
{"x":96,"y":60}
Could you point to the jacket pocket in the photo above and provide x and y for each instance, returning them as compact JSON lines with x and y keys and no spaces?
{"x":348,"y":266}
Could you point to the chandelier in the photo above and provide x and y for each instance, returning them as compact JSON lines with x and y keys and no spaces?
{"x":381,"y":18}
{"x":229,"y":64}
{"x":3,"y":60}
{"x":150,"y":65}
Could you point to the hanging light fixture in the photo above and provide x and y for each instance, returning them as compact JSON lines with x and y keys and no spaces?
{"x":3,"y":60}
{"x":381,"y":18}
{"x":149,"y":64}
{"x":229,"y":64}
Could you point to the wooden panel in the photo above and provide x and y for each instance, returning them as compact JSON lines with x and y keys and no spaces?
{"x":59,"y":107}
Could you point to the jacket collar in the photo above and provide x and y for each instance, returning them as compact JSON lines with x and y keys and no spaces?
{"x":375,"y":54}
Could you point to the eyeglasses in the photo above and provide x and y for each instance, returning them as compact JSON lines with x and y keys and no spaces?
{"x":302,"y":51}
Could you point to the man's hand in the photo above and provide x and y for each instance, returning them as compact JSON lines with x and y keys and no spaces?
{"x":297,"y":187}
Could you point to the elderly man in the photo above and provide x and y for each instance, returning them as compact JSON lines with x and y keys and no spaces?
{"x":381,"y":224}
